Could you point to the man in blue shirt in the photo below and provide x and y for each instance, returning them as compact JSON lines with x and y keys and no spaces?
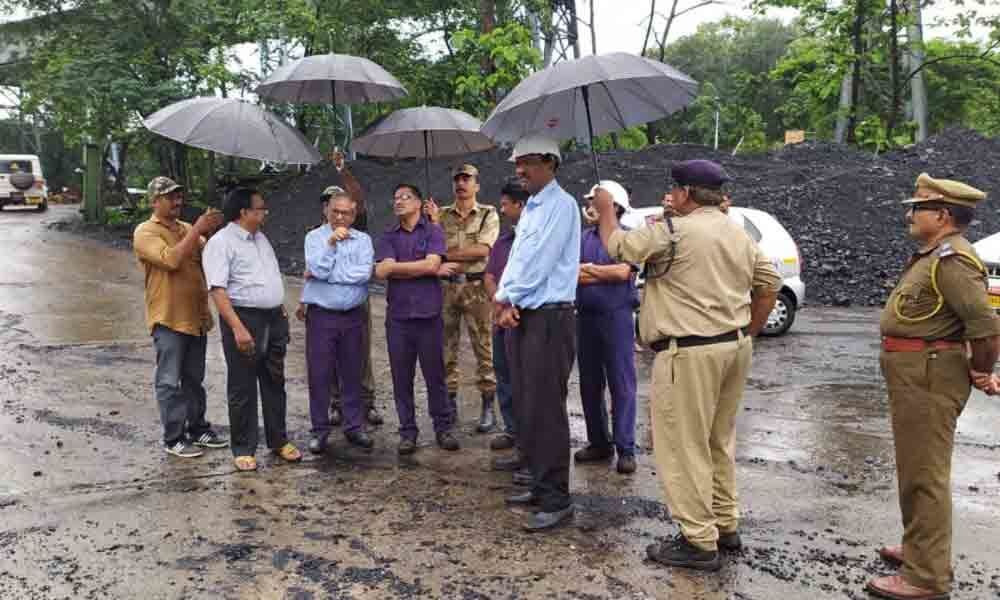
{"x":339,"y":263}
{"x":605,"y":301}
{"x":534,"y":302}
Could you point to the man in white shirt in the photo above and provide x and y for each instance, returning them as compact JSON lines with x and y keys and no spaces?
{"x":246,"y":285}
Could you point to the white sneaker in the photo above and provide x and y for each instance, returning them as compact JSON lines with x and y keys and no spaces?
{"x":184,"y":450}
{"x":210,"y":439}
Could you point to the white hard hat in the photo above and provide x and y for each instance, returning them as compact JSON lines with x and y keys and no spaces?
{"x":618,"y":194}
{"x":535,"y":144}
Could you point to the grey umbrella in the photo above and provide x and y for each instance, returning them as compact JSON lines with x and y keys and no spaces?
{"x":233,"y":127}
{"x":331,"y":79}
{"x":424,"y":132}
{"x":591,"y":96}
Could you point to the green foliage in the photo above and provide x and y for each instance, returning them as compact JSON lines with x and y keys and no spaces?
{"x":633,"y":138}
{"x":507,"y":49}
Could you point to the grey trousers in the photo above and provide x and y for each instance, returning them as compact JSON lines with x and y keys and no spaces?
{"x":180,"y":374}
{"x":269,"y":329}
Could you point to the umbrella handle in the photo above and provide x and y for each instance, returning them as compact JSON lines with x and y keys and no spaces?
{"x":590,"y":131}
{"x":427,"y":167}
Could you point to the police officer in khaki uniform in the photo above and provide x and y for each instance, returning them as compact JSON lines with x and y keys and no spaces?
{"x":938,"y":313}
{"x":709,"y":290}
{"x":471,"y":230}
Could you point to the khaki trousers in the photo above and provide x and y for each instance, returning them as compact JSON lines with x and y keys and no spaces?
{"x":696,"y":395}
{"x":469,"y":300}
{"x":927,"y":393}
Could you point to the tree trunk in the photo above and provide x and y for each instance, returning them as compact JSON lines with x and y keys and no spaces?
{"x":649,"y":27}
{"x":897,"y":95}
{"x":857,"y":33}
{"x":487,"y":20}
{"x":574,"y":30}
{"x":918,"y":90}
{"x":666,"y":29}
{"x":593,"y":29}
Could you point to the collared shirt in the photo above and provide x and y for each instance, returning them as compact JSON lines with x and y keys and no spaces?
{"x":340,"y":273}
{"x":419,"y":298}
{"x":176,"y":295}
{"x":544,"y":262}
{"x":480,"y":226}
{"x":605,"y":296}
{"x":707,"y":290}
{"x":499,"y":254}
{"x":245,"y":266}
{"x":964,"y":314}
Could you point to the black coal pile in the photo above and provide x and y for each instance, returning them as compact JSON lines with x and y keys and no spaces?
{"x":841,"y":205}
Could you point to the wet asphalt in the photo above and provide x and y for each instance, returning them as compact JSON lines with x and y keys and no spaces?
{"x":91,"y":506}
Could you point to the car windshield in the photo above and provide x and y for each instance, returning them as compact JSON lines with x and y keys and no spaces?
{"x":752,"y":230}
{"x":15,"y":166}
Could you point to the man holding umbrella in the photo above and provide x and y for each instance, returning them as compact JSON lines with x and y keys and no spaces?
{"x":471,"y":229}
{"x":535,"y":303}
{"x":709,"y":290}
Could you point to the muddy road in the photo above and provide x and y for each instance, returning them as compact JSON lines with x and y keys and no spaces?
{"x":91,"y":506}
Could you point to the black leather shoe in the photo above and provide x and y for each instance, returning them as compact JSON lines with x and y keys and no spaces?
{"x":524,"y":499}
{"x":446,"y":441}
{"x":336,"y":417}
{"x":406,"y":447}
{"x":507,"y":463}
{"x":360,"y":439}
{"x":373,"y":416}
{"x":504,"y":441}
{"x":730,"y":541}
{"x":317,"y":445}
{"x":593,"y":454}
{"x":678,"y":552}
{"x":487,"y":420}
{"x":626,"y":464}
{"x":541,"y":521}
{"x":523,"y":476}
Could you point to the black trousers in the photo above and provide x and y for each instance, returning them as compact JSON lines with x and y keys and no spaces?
{"x":269,"y":328}
{"x":542,"y":349}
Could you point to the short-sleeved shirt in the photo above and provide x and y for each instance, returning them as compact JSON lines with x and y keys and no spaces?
{"x":480,"y":226}
{"x":176,"y":295}
{"x":245,"y":266}
{"x":964,"y":314}
{"x":419,"y":298}
{"x":707,"y":290}
{"x":604,"y":296}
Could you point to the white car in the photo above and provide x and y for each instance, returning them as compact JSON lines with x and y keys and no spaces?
{"x":777,"y":245}
{"x":22,"y":182}
{"x":988,"y":250}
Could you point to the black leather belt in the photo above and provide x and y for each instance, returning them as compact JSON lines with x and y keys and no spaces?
{"x":695,"y":340}
{"x":554,"y":306}
{"x":464,"y":277}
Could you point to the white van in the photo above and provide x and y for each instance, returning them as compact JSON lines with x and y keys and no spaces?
{"x":22,"y":182}
{"x":777,"y":244}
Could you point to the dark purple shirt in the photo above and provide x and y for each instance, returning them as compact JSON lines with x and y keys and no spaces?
{"x":499,"y":254}
{"x":602,"y":297}
{"x":412,"y":298}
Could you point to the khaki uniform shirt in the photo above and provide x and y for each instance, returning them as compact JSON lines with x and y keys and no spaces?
{"x":965,"y":312}
{"x":480,"y":226}
{"x":176,"y":294}
{"x":706,"y":292}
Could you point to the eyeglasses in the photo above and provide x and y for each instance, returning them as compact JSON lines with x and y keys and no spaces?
{"x":342,"y":213}
{"x":404,"y":197}
{"x":262,"y":209}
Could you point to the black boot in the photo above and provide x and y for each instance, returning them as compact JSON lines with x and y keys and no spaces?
{"x":487,"y":420}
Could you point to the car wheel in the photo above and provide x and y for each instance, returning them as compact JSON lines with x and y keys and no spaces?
{"x":782,"y":316}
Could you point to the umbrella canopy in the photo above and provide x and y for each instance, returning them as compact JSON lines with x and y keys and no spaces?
{"x":591,"y":96}
{"x":331,"y":79}
{"x":424,"y":132}
{"x":232,"y":127}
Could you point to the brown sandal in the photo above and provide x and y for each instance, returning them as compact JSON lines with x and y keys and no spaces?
{"x":245,"y":463}
{"x":289,"y":453}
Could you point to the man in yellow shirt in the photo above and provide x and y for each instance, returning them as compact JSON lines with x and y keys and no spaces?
{"x":169,"y":250}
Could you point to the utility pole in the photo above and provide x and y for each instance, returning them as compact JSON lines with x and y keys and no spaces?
{"x":916,"y":54}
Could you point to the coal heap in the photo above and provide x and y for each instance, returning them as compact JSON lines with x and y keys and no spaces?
{"x":840,"y":204}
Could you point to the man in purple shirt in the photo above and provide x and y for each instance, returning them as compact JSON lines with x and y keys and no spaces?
{"x":512,"y":199}
{"x":408,"y":257}
{"x":605,"y":333}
